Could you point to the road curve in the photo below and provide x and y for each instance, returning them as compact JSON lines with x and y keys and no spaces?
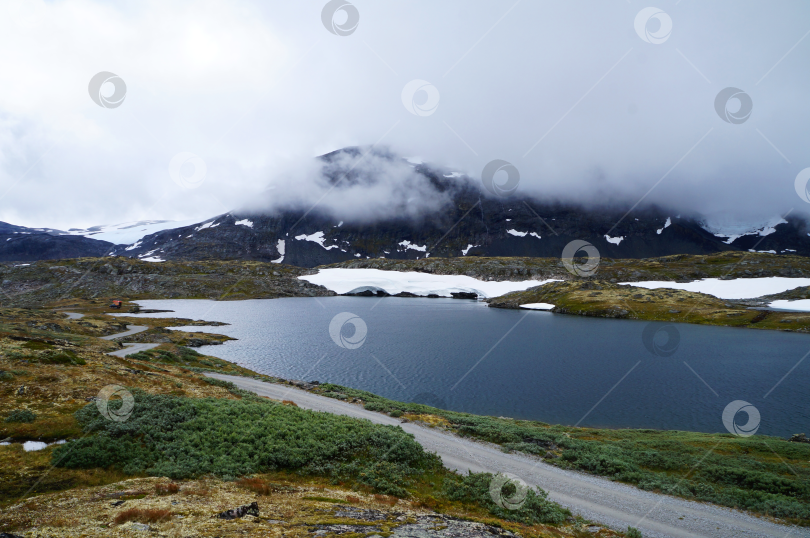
{"x":614,"y":505}
{"x":131,"y":329}
{"x":128,"y":348}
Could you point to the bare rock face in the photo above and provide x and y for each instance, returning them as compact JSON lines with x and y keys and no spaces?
{"x":251,"y":509}
{"x":799,"y":438}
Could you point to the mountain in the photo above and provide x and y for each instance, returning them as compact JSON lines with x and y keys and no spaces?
{"x":21,"y":244}
{"x":432,"y":212}
{"x":472,"y":223}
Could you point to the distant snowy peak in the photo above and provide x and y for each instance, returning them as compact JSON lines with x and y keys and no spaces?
{"x":128,"y":233}
{"x":731,"y":231}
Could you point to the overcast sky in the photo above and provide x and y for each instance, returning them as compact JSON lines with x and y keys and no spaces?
{"x":584,"y":106}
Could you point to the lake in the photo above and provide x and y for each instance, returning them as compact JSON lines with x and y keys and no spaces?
{"x":464,"y":356}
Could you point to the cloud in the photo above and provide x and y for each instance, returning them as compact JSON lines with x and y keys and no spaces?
{"x":567,"y":92}
{"x":358,"y":185}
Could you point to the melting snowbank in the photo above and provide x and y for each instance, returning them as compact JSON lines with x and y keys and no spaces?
{"x":342,"y":280}
{"x":537,"y":306}
{"x":802,"y":305}
{"x":740,"y":288}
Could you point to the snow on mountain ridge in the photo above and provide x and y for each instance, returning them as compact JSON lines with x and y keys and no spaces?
{"x":128,"y":233}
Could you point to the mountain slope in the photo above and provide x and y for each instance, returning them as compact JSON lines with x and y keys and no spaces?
{"x":374,"y":204}
{"x":470,"y":222}
{"x":21,"y":244}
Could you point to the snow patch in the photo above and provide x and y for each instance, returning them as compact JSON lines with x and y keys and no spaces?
{"x":134,"y":245}
{"x":342,"y":280}
{"x":802,"y":305}
{"x":739,"y":288}
{"x":464,"y":251}
{"x":244,"y":222}
{"x":407,"y":244}
{"x":207,"y":225}
{"x":127,"y":233}
{"x":666,"y":225}
{"x":614,"y":240}
{"x":734,"y":230}
{"x":317,"y":237}
{"x":517,"y":233}
{"x":535,"y":235}
{"x":280,"y":246}
{"x":452,"y":175}
{"x":537,"y":306}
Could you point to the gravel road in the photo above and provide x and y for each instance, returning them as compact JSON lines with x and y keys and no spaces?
{"x":608,"y":503}
{"x":128,"y":348}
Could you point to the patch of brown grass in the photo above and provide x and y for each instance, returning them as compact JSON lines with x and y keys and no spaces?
{"x":166,"y":489}
{"x":289,"y":402}
{"x":256,"y":485}
{"x":352,"y":499}
{"x":142,"y":515}
{"x":385,"y":499}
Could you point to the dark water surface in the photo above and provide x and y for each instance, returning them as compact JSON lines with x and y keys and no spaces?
{"x":522,"y":364}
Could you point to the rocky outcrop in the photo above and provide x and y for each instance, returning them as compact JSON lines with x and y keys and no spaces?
{"x":110,"y":277}
{"x":251,"y":509}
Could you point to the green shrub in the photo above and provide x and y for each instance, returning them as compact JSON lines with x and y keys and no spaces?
{"x":21,"y":415}
{"x":37,"y":345}
{"x":633,"y":532}
{"x":65,"y":357}
{"x":182,"y":437}
{"x":6,"y":376}
{"x":474,"y":488}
